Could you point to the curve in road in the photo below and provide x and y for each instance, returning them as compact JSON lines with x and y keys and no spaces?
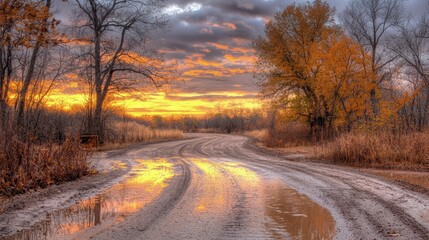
{"x":216,"y":186}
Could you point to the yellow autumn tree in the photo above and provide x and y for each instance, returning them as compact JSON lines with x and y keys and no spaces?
{"x":307,"y":63}
{"x":344,"y":82}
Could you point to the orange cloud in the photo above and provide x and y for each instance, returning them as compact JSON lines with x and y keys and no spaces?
{"x":230,"y":25}
{"x":219,"y":46}
{"x":242,"y":59}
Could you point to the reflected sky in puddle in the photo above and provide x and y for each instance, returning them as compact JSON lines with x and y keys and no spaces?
{"x":251,"y":179}
{"x":415,"y":178}
{"x":295,"y":216}
{"x":271,"y":208}
{"x":291,"y":215}
{"x":212,"y":199}
{"x":146,"y":181}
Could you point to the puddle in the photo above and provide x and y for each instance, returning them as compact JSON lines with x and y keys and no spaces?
{"x":286,"y":213}
{"x":415,"y":178}
{"x":212,"y":199}
{"x":250,"y":178}
{"x":271,"y":209}
{"x":147,"y":180}
{"x":296,"y":215}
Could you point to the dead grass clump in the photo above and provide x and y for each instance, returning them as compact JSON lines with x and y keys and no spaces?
{"x":381,"y":149}
{"x":26,"y":165}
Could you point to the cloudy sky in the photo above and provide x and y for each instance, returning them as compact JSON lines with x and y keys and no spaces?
{"x":210,"y":41}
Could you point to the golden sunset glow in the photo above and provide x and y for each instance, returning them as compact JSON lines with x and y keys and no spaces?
{"x":215,"y":74}
{"x":221,"y":82}
{"x":160,"y":103}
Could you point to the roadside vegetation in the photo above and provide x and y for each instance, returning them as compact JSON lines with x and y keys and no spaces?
{"x":380,"y":149}
{"x":26,"y":165}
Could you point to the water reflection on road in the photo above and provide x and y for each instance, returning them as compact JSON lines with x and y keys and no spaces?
{"x":146,"y":181}
{"x":211,"y":199}
{"x":264,"y":207}
{"x":296,"y":214}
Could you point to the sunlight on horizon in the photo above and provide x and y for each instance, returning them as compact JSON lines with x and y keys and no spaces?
{"x":160,"y":103}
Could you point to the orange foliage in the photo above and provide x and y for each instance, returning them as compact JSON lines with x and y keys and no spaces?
{"x":308,"y":64}
{"x":23,"y":22}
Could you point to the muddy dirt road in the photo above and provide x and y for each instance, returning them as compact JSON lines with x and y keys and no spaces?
{"x":214,"y":186}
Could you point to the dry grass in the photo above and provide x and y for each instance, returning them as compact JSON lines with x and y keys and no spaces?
{"x":291,"y":134}
{"x":25,"y":165}
{"x":381,"y":149}
{"x":260,"y":135}
{"x":133,"y":132}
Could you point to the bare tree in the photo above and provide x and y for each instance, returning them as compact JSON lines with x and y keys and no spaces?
{"x":115,"y":58}
{"x":369,"y":22}
{"x":411,"y":45}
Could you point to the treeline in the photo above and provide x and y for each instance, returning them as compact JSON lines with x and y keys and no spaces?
{"x":369,"y":70}
{"x":227,"y":120}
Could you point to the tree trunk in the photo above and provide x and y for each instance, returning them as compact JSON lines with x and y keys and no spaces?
{"x":425,"y":111}
{"x":5,"y":78}
{"x":98,"y":125}
{"x":28,"y":77}
{"x":25,"y":86}
{"x":374,"y":103}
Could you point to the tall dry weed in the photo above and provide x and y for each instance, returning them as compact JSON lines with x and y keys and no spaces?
{"x":26,"y":165}
{"x":290,"y":134}
{"x":379,"y":149}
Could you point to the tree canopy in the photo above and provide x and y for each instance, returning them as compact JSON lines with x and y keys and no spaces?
{"x":309,"y":65}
